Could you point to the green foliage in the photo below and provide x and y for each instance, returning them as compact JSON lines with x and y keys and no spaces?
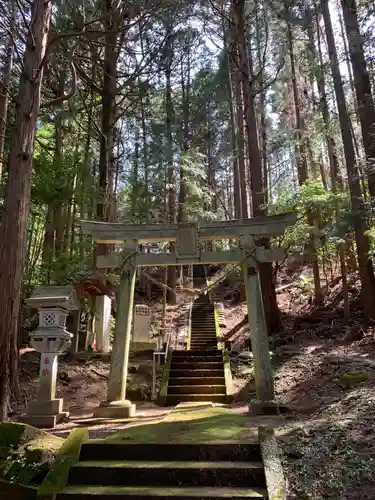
{"x":321,"y":205}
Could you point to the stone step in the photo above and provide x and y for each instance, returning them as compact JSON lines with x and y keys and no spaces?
{"x":208,"y":319}
{"x":203,"y":332}
{"x":199,"y":357}
{"x":196,"y":389}
{"x":178,"y":372}
{"x":196,"y":365}
{"x":179,"y":473}
{"x":199,"y":332}
{"x":203,"y":327}
{"x":203,"y":336}
{"x":159,"y":493}
{"x":192,"y":352}
{"x":203,"y":341}
{"x":202,"y":321}
{"x":174,"y":399}
{"x":196,"y":381}
{"x":203,"y":344}
{"x":165,"y":452}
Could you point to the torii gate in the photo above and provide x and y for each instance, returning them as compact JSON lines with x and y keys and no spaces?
{"x":187,"y":236}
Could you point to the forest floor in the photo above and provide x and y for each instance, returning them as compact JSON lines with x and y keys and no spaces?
{"x":325,"y":375}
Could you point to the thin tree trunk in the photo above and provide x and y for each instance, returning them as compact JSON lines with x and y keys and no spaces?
{"x":185,"y":86}
{"x":366,"y":108}
{"x":336,"y":180}
{"x":240,"y":139}
{"x":359,"y":221}
{"x":262,"y":110}
{"x":13,"y":229}
{"x":301,"y":146}
{"x":4,"y":84}
{"x":172,"y":275}
{"x":235,"y":168}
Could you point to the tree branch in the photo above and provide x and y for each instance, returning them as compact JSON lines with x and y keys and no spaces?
{"x":64,"y":97}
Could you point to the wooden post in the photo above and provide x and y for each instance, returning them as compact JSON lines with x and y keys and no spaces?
{"x":116,"y":405}
{"x":258,"y":330}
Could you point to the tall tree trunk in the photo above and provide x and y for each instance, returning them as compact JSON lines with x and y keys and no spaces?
{"x":323,"y":104}
{"x":359,"y":220}
{"x":185,"y":87}
{"x":239,"y":120}
{"x":301,"y":158}
{"x":235,"y":159}
{"x":4,"y":83}
{"x":271,"y":307}
{"x":113,"y":18}
{"x":172,"y":274}
{"x":135,"y":174}
{"x":60,"y":205}
{"x":366,"y":108}
{"x":13,"y":229}
{"x":336,"y":180}
{"x":262,"y":107}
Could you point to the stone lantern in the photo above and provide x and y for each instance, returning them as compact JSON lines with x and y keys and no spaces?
{"x":50,"y":339}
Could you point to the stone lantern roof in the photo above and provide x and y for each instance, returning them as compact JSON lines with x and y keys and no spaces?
{"x":46,"y":296}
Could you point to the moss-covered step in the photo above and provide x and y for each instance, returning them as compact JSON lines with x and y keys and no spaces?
{"x":159,"y":493}
{"x":174,"y":399}
{"x":110,"y":473}
{"x":103,"y":451}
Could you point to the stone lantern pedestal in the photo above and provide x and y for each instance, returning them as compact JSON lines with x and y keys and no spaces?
{"x":50,"y":339}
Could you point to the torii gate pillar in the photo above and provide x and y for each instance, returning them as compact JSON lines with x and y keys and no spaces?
{"x":116,"y":405}
{"x":258,"y":330}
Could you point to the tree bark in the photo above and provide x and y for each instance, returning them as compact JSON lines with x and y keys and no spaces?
{"x":259,"y":207}
{"x":171,"y":177}
{"x":239,"y":115}
{"x":362,"y":84}
{"x":359,"y":221}
{"x":4,"y":84}
{"x":13,"y":229}
{"x":235,"y":168}
{"x":301,"y":159}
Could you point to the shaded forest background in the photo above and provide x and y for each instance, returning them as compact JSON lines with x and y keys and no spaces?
{"x":160,"y":111}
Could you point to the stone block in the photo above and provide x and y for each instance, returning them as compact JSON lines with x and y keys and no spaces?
{"x":45,"y":421}
{"x":115,"y":409}
{"x":52,"y":407}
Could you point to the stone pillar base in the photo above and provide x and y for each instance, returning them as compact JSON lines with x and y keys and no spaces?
{"x":45,"y":414}
{"x":257,"y":407}
{"x":115,"y":409}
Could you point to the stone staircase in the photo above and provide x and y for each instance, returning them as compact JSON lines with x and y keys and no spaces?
{"x":115,"y":471}
{"x":198,"y":374}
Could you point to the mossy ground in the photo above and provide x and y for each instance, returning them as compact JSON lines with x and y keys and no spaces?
{"x":191,"y":425}
{"x":26,"y":452}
